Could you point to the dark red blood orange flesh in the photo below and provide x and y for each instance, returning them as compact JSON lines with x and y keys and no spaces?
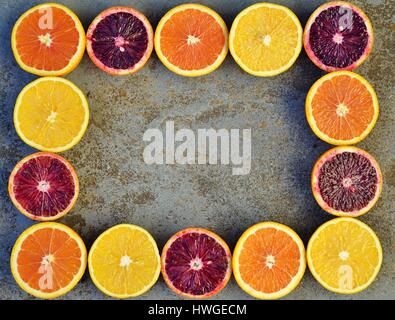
{"x":43,"y":186}
{"x":338,"y":36}
{"x":196,"y":263}
{"x":119,"y":41}
{"x":347,"y":182}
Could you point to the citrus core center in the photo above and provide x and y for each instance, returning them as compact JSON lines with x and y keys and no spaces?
{"x":338,"y":38}
{"x":347,"y":182}
{"x":192,"y":40}
{"x":270,"y":261}
{"x":196,"y":264}
{"x":45,"y":39}
{"x":43,"y":186}
{"x":125,"y":261}
{"x":266,"y":40}
{"x":120,"y":43}
{"x":344,"y":255}
{"x":52,"y":117}
{"x":341,"y":110}
{"x":47,"y":259}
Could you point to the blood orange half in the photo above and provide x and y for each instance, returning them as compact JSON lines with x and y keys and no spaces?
{"x":196,"y":263}
{"x":48,"y":40}
{"x":338,"y":36}
{"x":346,"y":181}
{"x":269,"y":260}
{"x":120,"y":40}
{"x":191,"y":40}
{"x":48,"y":260}
{"x":43,"y":186}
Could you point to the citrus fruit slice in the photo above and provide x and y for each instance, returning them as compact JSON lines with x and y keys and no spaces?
{"x":124,"y":261}
{"x":346,"y":181}
{"x":265,"y":39}
{"x":120,"y":40}
{"x":51,"y":114}
{"x":344,"y":255}
{"x":191,"y":40}
{"x":43,"y":186}
{"x":269,"y":260}
{"x":338,"y":36}
{"x":48,"y":260}
{"x":342,"y":108}
{"x":48,"y":40}
{"x":196,"y":263}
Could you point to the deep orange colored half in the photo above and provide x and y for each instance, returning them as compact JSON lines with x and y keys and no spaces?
{"x":48,"y":260}
{"x":342,"y":108}
{"x":48,"y":40}
{"x":191,"y":40}
{"x":269,"y":260}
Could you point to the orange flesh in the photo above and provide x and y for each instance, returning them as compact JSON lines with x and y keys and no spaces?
{"x":342,"y":108}
{"x":44,"y":242}
{"x":206,"y":39}
{"x":257,"y":252}
{"x":53,"y":56}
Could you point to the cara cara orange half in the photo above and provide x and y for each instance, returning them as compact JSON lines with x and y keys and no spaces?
{"x":269,"y":260}
{"x":342,"y":108}
{"x":48,"y":260}
{"x":191,"y":40}
{"x":48,"y":40}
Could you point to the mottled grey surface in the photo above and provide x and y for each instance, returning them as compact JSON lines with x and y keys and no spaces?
{"x":117,"y":187}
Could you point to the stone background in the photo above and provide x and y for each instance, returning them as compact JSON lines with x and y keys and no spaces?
{"x":118,"y":187}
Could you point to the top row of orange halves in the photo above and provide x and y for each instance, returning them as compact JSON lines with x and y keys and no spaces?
{"x":192,"y":40}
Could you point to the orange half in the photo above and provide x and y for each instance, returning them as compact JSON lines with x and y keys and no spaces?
{"x":342,"y":108}
{"x":265,"y":39}
{"x":48,"y":40}
{"x":269,"y":260}
{"x":48,"y":260}
{"x":191,"y":40}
